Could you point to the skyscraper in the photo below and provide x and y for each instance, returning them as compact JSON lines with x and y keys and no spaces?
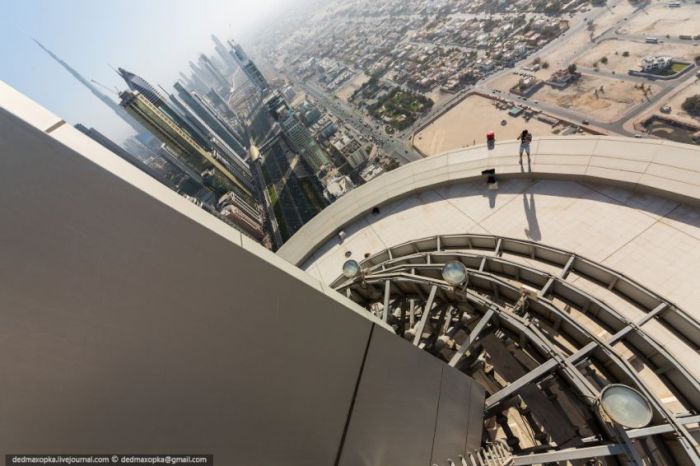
{"x":248,"y":66}
{"x":201,"y":77}
{"x":221,"y":106}
{"x":295,"y":132}
{"x":225,"y":56}
{"x":186,"y":80}
{"x":191,"y":118}
{"x":204,"y":111}
{"x":196,"y":82}
{"x":146,"y":90}
{"x":236,"y":162}
{"x":105,"y":100}
{"x":301,"y":141}
{"x":137,"y":83}
{"x":220,"y":103}
{"x":266,"y":199}
{"x":276,"y":104}
{"x":215,"y":172}
{"x":214,"y":71}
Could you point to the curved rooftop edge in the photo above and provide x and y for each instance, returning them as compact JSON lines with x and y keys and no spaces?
{"x":661,"y":167}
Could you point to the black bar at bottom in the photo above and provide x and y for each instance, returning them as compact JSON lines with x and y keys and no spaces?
{"x":110,"y":459}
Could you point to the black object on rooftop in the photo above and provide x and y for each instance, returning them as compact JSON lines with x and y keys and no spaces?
{"x":491,"y":174}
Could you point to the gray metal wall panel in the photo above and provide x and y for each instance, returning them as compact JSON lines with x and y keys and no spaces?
{"x":455,"y":423}
{"x":475,"y":408}
{"x":393,"y":420}
{"x":127,"y":327}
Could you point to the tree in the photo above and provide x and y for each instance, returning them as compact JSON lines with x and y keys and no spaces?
{"x":571,"y":68}
{"x":692,"y":105}
{"x":625,"y":53}
{"x":604,"y":60}
{"x":553,"y":7}
{"x":545,"y":65}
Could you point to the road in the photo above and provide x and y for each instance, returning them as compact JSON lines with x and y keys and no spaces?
{"x":362,"y":124}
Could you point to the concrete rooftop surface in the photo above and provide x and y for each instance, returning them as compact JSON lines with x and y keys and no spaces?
{"x":599,"y":197}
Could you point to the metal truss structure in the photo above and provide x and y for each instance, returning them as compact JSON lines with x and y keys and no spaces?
{"x":535,"y":325}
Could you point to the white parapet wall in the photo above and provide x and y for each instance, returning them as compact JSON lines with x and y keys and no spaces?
{"x":669,"y":169}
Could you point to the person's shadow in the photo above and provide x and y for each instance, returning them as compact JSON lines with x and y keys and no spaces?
{"x":529,"y":165}
{"x":533,"y":227}
{"x":491,"y":194}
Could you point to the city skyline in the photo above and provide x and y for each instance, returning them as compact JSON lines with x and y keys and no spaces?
{"x":104,"y":35}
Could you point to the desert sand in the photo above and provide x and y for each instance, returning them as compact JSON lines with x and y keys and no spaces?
{"x":616,"y":15}
{"x":345,"y":92}
{"x":621,"y":64}
{"x":616,"y":98}
{"x":468,"y":122}
{"x":659,"y":20}
{"x":676,"y":100}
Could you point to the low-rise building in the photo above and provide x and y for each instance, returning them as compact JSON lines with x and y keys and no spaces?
{"x":562,"y":78}
{"x":337,"y":187}
{"x":656,"y":64}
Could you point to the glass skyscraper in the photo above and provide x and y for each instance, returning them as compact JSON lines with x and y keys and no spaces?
{"x":215,"y":172}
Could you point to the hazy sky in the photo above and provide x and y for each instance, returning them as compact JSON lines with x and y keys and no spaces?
{"x":152,"y":38}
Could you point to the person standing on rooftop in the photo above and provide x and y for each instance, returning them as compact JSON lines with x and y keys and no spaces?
{"x":525,"y":139}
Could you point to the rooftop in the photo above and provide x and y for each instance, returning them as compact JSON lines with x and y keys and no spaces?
{"x":600,"y":235}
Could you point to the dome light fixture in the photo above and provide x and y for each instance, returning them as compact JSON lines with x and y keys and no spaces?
{"x":625,"y":406}
{"x":454,"y":273}
{"x":351,"y":268}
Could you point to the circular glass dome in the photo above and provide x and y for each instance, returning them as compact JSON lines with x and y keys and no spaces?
{"x":454,"y":273}
{"x":351,"y":268}
{"x":625,"y":406}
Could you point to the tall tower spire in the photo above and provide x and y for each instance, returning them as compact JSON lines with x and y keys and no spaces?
{"x":128,"y":119}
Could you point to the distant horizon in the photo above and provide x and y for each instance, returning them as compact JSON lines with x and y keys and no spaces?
{"x":106,"y":35}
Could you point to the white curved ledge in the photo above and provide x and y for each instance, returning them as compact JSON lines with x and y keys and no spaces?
{"x":661,"y":167}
